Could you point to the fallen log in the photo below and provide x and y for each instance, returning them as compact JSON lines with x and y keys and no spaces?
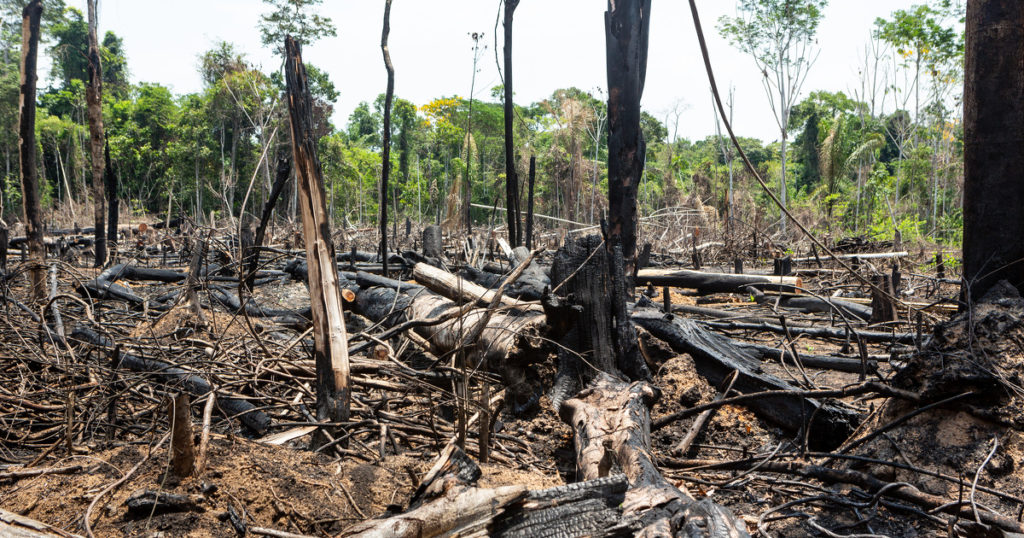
{"x":705,"y":282}
{"x":864,"y":256}
{"x":833,"y":333}
{"x":168,"y":374}
{"x":716,"y":356}
{"x":449,"y":285}
{"x":16,"y":526}
{"x":611,"y":423}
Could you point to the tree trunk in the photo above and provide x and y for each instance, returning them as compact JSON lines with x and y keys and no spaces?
{"x":627,"y":24}
{"x":529,"y":202}
{"x":112,"y":203}
{"x":511,"y":179}
{"x":386,"y":144}
{"x":993,"y":146}
{"x":330,"y":344}
{"x":94,"y":99}
{"x":27,"y":145}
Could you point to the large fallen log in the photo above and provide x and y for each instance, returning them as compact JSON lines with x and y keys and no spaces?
{"x":716,"y":356}
{"x":449,"y":285}
{"x":705,"y":282}
{"x":611,"y":423}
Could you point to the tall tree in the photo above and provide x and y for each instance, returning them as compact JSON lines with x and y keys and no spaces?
{"x":993,"y":152}
{"x":627,"y":26}
{"x":386,"y":145}
{"x":27,"y":146}
{"x":511,"y":178}
{"x":94,"y":98}
{"x":779,"y":36}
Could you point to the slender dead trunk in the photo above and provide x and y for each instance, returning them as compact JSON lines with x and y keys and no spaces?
{"x":993,"y":154}
{"x":529,"y":202}
{"x":386,"y":143}
{"x":627,"y":24}
{"x":94,"y":100}
{"x":112,"y":203}
{"x":330,"y":346}
{"x":27,"y":146}
{"x":515,"y":236}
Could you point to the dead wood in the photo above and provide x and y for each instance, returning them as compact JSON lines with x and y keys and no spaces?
{"x":232,"y":407}
{"x":705,"y":282}
{"x":16,"y":526}
{"x":27,"y":146}
{"x":611,"y":424}
{"x":183,"y":450}
{"x":330,"y":349}
{"x":716,"y":356}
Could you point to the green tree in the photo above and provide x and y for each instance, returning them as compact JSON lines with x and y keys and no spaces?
{"x":779,"y":36}
{"x":294,"y":18}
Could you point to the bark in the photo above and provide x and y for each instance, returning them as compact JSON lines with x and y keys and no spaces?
{"x":94,"y":100}
{"x":183,"y":449}
{"x":27,"y":146}
{"x":432,"y":242}
{"x":993,"y":145}
{"x":627,"y":24}
{"x":329,"y":339}
{"x":386,"y":144}
{"x":511,"y":178}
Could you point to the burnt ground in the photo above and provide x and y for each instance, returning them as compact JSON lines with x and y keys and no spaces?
{"x":975,"y":442}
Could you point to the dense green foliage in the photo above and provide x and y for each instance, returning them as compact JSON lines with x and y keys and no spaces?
{"x":864,"y":164}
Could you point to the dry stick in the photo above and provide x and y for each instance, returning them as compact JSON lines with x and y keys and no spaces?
{"x":757,"y":176}
{"x":263,"y":531}
{"x":977,"y":475}
{"x":702,"y":419}
{"x":204,"y":439}
{"x":122,"y":480}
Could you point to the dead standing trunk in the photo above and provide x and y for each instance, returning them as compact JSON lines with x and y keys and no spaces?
{"x":94,"y":99}
{"x":112,"y":205}
{"x":329,"y":341}
{"x":993,"y":150}
{"x":386,"y":143}
{"x":27,"y":145}
{"x":627,"y":24}
{"x":515,"y":236}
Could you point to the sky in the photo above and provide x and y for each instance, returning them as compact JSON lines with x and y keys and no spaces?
{"x":557,"y":44}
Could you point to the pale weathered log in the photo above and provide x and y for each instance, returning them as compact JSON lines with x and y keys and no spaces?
{"x":706,"y":282}
{"x":16,"y":526}
{"x":453,"y":286}
{"x":612,"y":424}
{"x":330,"y":341}
{"x":863,"y":256}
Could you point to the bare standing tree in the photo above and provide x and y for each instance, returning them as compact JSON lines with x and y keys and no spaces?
{"x":386,"y":141}
{"x":27,"y":146}
{"x":779,"y":35}
{"x":94,"y":100}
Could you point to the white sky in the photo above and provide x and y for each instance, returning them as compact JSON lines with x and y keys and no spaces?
{"x":557,"y":43}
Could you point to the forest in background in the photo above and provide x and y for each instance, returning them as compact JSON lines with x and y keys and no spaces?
{"x":887,"y":157}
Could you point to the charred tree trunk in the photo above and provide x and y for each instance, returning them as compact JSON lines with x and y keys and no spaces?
{"x":112,"y":205}
{"x":27,"y":145}
{"x":511,"y":178}
{"x":94,"y":100}
{"x":627,"y":24}
{"x":993,"y":149}
{"x":529,"y":202}
{"x":386,"y":144}
{"x":329,"y":341}
{"x":284,"y":171}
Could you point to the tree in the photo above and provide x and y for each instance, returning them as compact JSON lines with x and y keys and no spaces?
{"x":94,"y":98}
{"x":294,"y":18}
{"x":511,"y":178}
{"x":386,"y":145}
{"x":779,"y":36}
{"x":27,"y":146}
{"x":993,"y":153}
